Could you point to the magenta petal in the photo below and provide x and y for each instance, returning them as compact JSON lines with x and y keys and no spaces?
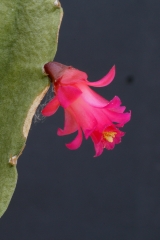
{"x":51,"y":107}
{"x":115,"y":102}
{"x":98,"y":144}
{"x":120,"y":118}
{"x":92,"y":97}
{"x":72,"y":75}
{"x":76,"y":143}
{"x":84,"y":116}
{"x":114,"y":105}
{"x":99,"y":149}
{"x":67,"y":95}
{"x":70,"y":125}
{"x":105,"y":80}
{"x":110,"y":145}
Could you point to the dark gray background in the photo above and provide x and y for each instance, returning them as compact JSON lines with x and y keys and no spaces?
{"x":69,"y":195}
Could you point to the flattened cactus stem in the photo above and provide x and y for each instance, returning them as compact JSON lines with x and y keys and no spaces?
{"x":28,"y":39}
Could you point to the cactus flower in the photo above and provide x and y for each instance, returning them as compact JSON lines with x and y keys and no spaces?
{"x":85,"y":110}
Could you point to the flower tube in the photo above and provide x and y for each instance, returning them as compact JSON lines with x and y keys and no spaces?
{"x":85,"y":110}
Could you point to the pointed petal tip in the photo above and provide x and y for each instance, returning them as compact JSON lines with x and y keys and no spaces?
{"x":98,"y":149}
{"x":60,"y":132}
{"x":97,"y":154}
{"x":76,"y":143}
{"x":106,"y":80}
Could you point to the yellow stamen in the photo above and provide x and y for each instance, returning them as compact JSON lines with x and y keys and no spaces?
{"x":109,"y":136}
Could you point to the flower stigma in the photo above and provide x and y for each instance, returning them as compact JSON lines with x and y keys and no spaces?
{"x":109,"y":136}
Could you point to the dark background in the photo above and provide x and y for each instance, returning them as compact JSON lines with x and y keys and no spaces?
{"x":69,"y":195}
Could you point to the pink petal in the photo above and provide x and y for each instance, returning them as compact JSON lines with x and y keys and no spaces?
{"x":51,"y":107}
{"x":118,"y":138}
{"x":92,"y":97}
{"x":70,"y":125}
{"x":67,"y":95}
{"x":84,"y":116}
{"x":115,"y":102}
{"x":96,"y":137}
{"x":105,"y":80}
{"x":76,"y":143}
{"x":114,"y":105}
{"x":109,"y":145}
{"x":101,"y":118}
{"x":99,"y":149}
{"x":72,"y":75}
{"x":117,"y":117}
{"x":98,"y":145}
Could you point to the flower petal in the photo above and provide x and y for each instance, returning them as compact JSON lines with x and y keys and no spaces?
{"x":84,"y":116}
{"x":114,"y":105}
{"x":51,"y":107}
{"x":120,"y":118}
{"x":92,"y":97}
{"x":98,"y":144}
{"x":76,"y":143}
{"x":70,"y":124}
{"x":99,"y":149}
{"x":72,"y":75}
{"x":67,"y":95}
{"x":105,"y":80}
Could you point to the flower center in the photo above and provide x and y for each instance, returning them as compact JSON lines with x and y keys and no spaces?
{"x":109,"y":136}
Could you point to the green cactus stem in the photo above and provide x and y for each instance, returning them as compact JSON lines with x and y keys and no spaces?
{"x":28,"y":39}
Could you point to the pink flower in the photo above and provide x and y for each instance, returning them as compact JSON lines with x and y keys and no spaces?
{"x":84,"y":109}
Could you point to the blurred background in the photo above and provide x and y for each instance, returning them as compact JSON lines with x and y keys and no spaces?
{"x":69,"y":195}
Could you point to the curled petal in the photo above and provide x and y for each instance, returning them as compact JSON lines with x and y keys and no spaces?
{"x":105,"y":80}
{"x":51,"y":107}
{"x":67,"y":95}
{"x":70,"y":125}
{"x":76,"y":143}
